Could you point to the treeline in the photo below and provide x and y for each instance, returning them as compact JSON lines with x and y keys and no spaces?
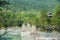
{"x":28,"y":5}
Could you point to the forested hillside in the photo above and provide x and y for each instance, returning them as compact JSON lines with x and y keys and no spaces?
{"x":34,"y":4}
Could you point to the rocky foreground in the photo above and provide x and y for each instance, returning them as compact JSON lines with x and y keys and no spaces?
{"x":28,"y":33}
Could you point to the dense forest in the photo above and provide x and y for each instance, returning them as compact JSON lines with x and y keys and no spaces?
{"x":28,"y":5}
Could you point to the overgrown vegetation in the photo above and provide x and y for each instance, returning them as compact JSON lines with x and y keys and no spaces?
{"x":40,"y":18}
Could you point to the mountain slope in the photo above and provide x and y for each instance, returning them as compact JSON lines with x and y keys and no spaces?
{"x":34,"y":4}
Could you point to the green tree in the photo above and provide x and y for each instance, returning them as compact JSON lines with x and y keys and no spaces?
{"x":56,"y":18}
{"x":3,"y":3}
{"x":3,"y":16}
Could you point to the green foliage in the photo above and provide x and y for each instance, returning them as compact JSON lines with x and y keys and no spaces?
{"x":3,"y":3}
{"x":39,"y":18}
{"x":56,"y":18}
{"x":19,"y":23}
{"x":28,"y":5}
{"x":43,"y":17}
{"x":7,"y":18}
